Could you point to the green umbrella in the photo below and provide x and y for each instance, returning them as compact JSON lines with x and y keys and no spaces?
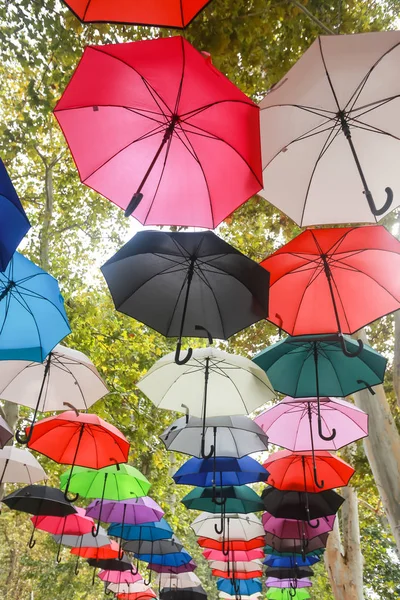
{"x":271,"y":550}
{"x":287,"y":594}
{"x":116,"y":482}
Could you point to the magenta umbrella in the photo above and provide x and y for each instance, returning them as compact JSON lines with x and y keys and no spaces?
{"x":186,"y":568}
{"x":293,"y":423}
{"x":287,"y":583}
{"x":119,"y":577}
{"x":294,"y":529}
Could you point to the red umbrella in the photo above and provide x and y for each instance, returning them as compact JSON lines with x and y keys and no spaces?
{"x":334,"y":280}
{"x":258,"y":542}
{"x":296,"y":471}
{"x":237,"y":574}
{"x":137,"y":596}
{"x":98,"y":553}
{"x":73,"y":438}
{"x":156,"y":13}
{"x":76,"y":524}
{"x":157,"y":129}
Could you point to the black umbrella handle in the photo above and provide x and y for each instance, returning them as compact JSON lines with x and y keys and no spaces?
{"x":321,"y":435}
{"x":347,"y":352}
{"x":26,"y":439}
{"x":292,"y":591}
{"x":96,"y":530}
{"x":369,"y":388}
{"x":32,"y":541}
{"x":148,"y":581}
{"x":327,"y":438}
{"x":188,"y":356}
{"x":226,"y":537}
{"x":120,"y":550}
{"x":388,"y":203}
{"x":94,"y":575}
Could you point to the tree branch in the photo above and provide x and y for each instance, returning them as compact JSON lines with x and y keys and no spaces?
{"x":312,"y":17}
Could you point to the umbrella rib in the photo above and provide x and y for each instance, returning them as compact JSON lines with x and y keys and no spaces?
{"x":357,"y":124}
{"x":195,"y":111}
{"x":327,"y":74}
{"x":367,"y":108}
{"x":355,"y":270}
{"x":215,"y":299}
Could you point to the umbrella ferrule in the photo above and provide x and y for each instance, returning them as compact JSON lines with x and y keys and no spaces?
{"x":7,"y":289}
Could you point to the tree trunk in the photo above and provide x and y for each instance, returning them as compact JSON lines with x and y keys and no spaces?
{"x":343,"y":558}
{"x":396,"y":358}
{"x":382,"y":448}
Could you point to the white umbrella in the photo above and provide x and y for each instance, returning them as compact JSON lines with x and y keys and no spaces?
{"x":238,"y":526}
{"x":226,"y":596}
{"x":19,"y":466}
{"x":212,"y":383}
{"x":237,"y":565}
{"x":128,"y":588}
{"x":177,"y":580}
{"x":83,"y":541}
{"x":66,"y":377}
{"x":330,"y":131}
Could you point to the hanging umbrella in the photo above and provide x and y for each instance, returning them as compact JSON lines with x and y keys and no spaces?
{"x":6,"y":434}
{"x":220,"y":472}
{"x":242,"y":587}
{"x":177,"y":581}
{"x":232,"y":544}
{"x":132,"y":512}
{"x":83,"y":541}
{"x":82,"y":439}
{"x":237,"y":574}
{"x":151,"y":531}
{"x":117,"y":482}
{"x":334,"y":281}
{"x":19,"y":466}
{"x":137,"y":596}
{"x":39,"y":500}
{"x":97,"y":553}
{"x":176,"y":14}
{"x":301,"y":505}
{"x":287,"y":594}
{"x":14,"y":224}
{"x":237,"y":565}
{"x":212,"y":383}
{"x":237,"y":526}
{"x":304,"y":366}
{"x":294,"y":421}
{"x":276,"y":553}
{"x":226,"y":596}
{"x":241,"y":499}
{"x":119,"y":577}
{"x":290,"y":562}
{"x":292,"y":528}
{"x":293,"y":574}
{"x":182,"y":568}
{"x":195,"y":593}
{"x":233,"y":555}
{"x":65,"y":377}
{"x":164,"y":546}
{"x":128,"y":588}
{"x":330,"y":124}
{"x":275,"y":582}
{"x":301,"y":546}
{"x":162,"y":106}
{"x":109,"y":564}
{"x":193,"y":276}
{"x":237,"y":436}
{"x":298,"y":471}
{"x":173,"y":559}
{"x":32,"y":314}
{"x":75,"y":524}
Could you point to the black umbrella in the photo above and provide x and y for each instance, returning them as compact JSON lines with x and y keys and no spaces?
{"x":295,"y":573}
{"x":152,"y":547}
{"x":110,"y":564}
{"x":195,"y":593}
{"x":187,"y":284}
{"x":296,"y":545}
{"x":303,"y":506}
{"x":39,"y":500}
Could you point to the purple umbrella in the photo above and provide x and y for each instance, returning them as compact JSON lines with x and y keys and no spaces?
{"x":287,"y":583}
{"x":293,"y":423}
{"x":292,"y":528}
{"x":133,"y":511}
{"x":190,"y":566}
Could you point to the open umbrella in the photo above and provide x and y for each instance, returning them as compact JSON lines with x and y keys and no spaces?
{"x":292,"y":528}
{"x":237,"y":527}
{"x":178,"y":581}
{"x":194,"y":593}
{"x":109,"y":564}
{"x":294,"y":421}
{"x":151,"y":124}
{"x":237,"y":436}
{"x":232,"y":544}
{"x":212,"y":383}
{"x":242,"y":587}
{"x":19,"y":466}
{"x":237,"y":565}
{"x":288,"y":573}
{"x":236,"y":574}
{"x":182,"y":568}
{"x":277,"y":553}
{"x":82,"y":439}
{"x":32,"y":314}
{"x":83,"y":541}
{"x":287,"y":594}
{"x":163,"y":546}
{"x":156,"y":13}
{"x":100,"y":554}
{"x":174,"y":561}
{"x":39,"y":500}
{"x":301,"y":505}
{"x":292,"y":546}
{"x":137,"y":595}
{"x":334,"y":281}
{"x":226,"y":596}
{"x":220,"y":472}
{"x":119,"y":577}
{"x":330,"y":123}
{"x":153,"y":530}
{"x":285,"y":583}
{"x":315,"y":366}
{"x":117,"y":482}
{"x":291,"y":562}
{"x":298,"y":471}
{"x":75,"y":524}
{"x":128,"y":588}
{"x":6,"y":434}
{"x":192,"y":276}
{"x":66,"y":377}
{"x":14,"y":224}
{"x":234,"y":555}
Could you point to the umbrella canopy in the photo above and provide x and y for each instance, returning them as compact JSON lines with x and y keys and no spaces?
{"x":162,"y":106}
{"x":98,"y":553}
{"x":237,"y":527}
{"x":172,"y":559}
{"x":32,"y":314}
{"x":182,"y":568}
{"x":287,"y":594}
{"x":131,"y":511}
{"x":231,"y":544}
{"x":290,"y":562}
{"x":276,"y":553}
{"x":6,"y":434}
{"x":151,"y":531}
{"x":195,"y":593}
{"x":295,"y":545}
{"x":183,"y":580}
{"x":19,"y":466}
{"x":119,"y":577}
{"x":226,"y":596}
{"x":84,"y":541}
{"x":241,"y":499}
{"x":237,"y":565}
{"x":245,"y":587}
{"x":177,"y":14}
{"x":14,"y":224}
{"x":164,"y":546}
{"x":293,"y":574}
{"x":291,"y":528}
{"x":288,"y":424}
{"x":233,"y":555}
{"x":128,"y":588}
{"x":329,"y":123}
{"x":220,"y":471}
{"x":137,"y":595}
{"x":237,"y":574}
{"x":74,"y":524}
{"x":116,"y":482}
{"x":110,"y":564}
{"x":334,"y":280}
{"x":300,"y":505}
{"x":275,"y":582}
{"x":298,"y":471}
{"x":39,"y":500}
{"x":236,"y":436}
{"x":193,"y":276}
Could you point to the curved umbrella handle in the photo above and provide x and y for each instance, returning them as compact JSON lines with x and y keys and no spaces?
{"x":24,"y":439}
{"x":292,"y":591}
{"x":203,"y":448}
{"x":385,"y":207}
{"x":70,"y":500}
{"x":218,"y":530}
{"x":94,"y":575}
{"x":96,"y":530}
{"x":148,"y":581}
{"x":369,"y":388}
{"x":347,"y":352}
{"x":321,"y":484}
{"x":107,"y":593}
{"x":177,"y":353}
{"x":32,"y":541}
{"x":134,"y":572}
{"x":58,"y":557}
{"x":309,"y":523}
{"x":327,"y":438}
{"x":76,"y":570}
{"x":220,"y":502}
{"x":133,"y":204}
{"x":72,"y":407}
{"x":187,"y":416}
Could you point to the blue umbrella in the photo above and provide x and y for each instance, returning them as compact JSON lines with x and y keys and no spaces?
{"x":152,"y":531}
{"x":14,"y":224}
{"x":174,"y":559}
{"x":240,"y":587}
{"x":220,"y":471}
{"x":32,"y":314}
{"x":290,"y":562}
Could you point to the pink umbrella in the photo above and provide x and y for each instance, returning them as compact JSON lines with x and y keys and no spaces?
{"x":293,"y":529}
{"x":293,"y":423}
{"x":119,"y":577}
{"x":286,"y":583}
{"x":241,"y":555}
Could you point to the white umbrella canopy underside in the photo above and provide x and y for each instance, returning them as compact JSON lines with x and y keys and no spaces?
{"x":240,"y":527}
{"x":20,"y":466}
